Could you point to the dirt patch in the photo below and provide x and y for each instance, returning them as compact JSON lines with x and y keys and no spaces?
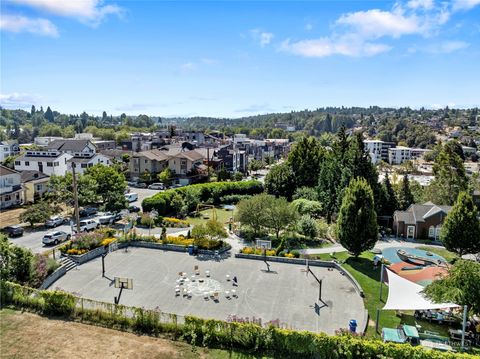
{"x":10,"y":217}
{"x":26,"y":335}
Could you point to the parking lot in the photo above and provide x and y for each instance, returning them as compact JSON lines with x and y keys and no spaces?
{"x":285,"y":293}
{"x":32,"y":238}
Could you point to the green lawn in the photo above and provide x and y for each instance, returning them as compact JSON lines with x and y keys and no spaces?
{"x":369,"y":279}
{"x":449,"y":256}
{"x":222,"y":215}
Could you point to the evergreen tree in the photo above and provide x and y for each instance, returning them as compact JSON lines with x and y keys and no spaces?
{"x":390,"y":203}
{"x":49,"y":115}
{"x":405,"y":196}
{"x":33,"y":110}
{"x":357,"y":228}
{"x":104,"y":116}
{"x":450,"y":177}
{"x":304,"y":160}
{"x":328,"y":186}
{"x":461,"y":230}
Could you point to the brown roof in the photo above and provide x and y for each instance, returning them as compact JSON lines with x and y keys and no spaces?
{"x":192,"y":155}
{"x":153,"y":155}
{"x":68,"y":145}
{"x":6,"y":171}
{"x":28,"y":176}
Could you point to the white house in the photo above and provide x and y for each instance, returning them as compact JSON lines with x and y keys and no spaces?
{"x":83,"y":161}
{"x":8,"y":148}
{"x":47,"y":162}
{"x":72,"y":146}
{"x":400,"y":154}
{"x":10,"y":187}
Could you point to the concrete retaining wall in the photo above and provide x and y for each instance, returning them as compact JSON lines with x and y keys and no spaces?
{"x":97,"y":252}
{"x":312,"y":262}
{"x":53,"y":277}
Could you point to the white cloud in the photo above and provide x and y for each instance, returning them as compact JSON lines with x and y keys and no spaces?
{"x":308,"y":27}
{"x":323,"y":47}
{"x":88,"y":11}
{"x":417,"y":4}
{"x":18,"y":24}
{"x":188,"y":66}
{"x":464,"y":4}
{"x":377,"y":23}
{"x":262,"y":37}
{"x":447,"y":47}
{"x":18,"y":100}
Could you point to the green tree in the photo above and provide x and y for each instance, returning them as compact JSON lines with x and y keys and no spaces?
{"x":38,"y":213}
{"x":450,"y":177}
{"x":280,"y":181}
{"x":308,"y":226}
{"x":329,"y":185}
{"x":251,"y":212}
{"x":404,"y":196}
{"x":304,"y":159}
{"x":279,"y":214}
{"x":461,"y":230}
{"x":255,"y":165}
{"x":166,"y":176}
{"x":357,"y":221}
{"x":49,"y":115}
{"x":237,"y":176}
{"x":223,"y":174}
{"x":178,"y":204}
{"x":389,"y":199}
{"x":111,"y":186}
{"x":306,"y":193}
{"x":461,"y":286}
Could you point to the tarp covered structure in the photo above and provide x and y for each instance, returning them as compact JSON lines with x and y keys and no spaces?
{"x":406,"y":295}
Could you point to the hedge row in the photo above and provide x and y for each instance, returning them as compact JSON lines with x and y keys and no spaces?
{"x":214,"y":333}
{"x":200,"y":193}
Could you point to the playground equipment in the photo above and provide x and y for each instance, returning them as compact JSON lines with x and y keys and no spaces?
{"x":203,"y":206}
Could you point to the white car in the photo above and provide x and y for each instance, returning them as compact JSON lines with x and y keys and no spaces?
{"x":131,"y":197}
{"x":55,"y":221}
{"x":156,"y":186}
{"x":87,"y":225}
{"x":109,"y":217}
{"x":55,"y":237}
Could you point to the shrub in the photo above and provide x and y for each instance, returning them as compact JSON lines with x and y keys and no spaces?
{"x":203,"y":192}
{"x":84,"y":242}
{"x":307,"y":207}
{"x":180,"y":241}
{"x":175,"y":222}
{"x":146,"y":220}
{"x":295,"y":253}
{"x":247,"y":250}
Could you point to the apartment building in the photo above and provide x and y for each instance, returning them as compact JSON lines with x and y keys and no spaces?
{"x":8,"y":148}
{"x":10,"y":187}
{"x":47,"y":162}
{"x":378,"y":150}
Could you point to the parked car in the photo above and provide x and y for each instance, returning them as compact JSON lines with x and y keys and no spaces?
{"x":131,"y":197}
{"x":87,"y":225}
{"x":13,"y":231}
{"x":139,"y":185}
{"x":158,"y":185}
{"x":88,"y":211}
{"x":109,"y":217}
{"x":55,"y":237}
{"x":55,"y":221}
{"x":134,"y":209}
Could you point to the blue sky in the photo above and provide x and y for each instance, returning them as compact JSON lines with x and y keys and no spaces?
{"x":178,"y":58}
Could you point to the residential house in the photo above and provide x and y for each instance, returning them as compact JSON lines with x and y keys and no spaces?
{"x":420,"y":221}
{"x":82,"y":161}
{"x":35,"y":184}
{"x":105,"y":145}
{"x":232,"y":158}
{"x":8,"y":148}
{"x":10,"y":187}
{"x":47,"y":162}
{"x":185,"y":162}
{"x":72,"y":146}
{"x":43,"y":141}
{"x":152,"y":161}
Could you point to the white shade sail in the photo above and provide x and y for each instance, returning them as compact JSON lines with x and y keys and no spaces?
{"x":406,"y":295}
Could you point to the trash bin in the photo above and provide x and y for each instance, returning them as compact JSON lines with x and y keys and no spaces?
{"x":352,"y":325}
{"x":190,"y":250}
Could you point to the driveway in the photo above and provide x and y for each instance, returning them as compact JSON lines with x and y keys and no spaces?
{"x":142,"y":194}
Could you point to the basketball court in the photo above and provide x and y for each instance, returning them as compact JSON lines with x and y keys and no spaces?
{"x":203,"y":286}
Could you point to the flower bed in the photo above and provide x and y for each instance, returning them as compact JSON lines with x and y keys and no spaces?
{"x":85,"y":242}
{"x":181,"y":241}
{"x":175,"y":222}
{"x":270,"y":252}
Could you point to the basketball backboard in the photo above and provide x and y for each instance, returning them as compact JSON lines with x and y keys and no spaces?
{"x":264,"y":244}
{"x":125,"y":283}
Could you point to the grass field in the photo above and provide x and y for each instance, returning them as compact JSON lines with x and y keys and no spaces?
{"x":26,"y":335}
{"x":369,"y":279}
{"x":222,"y":215}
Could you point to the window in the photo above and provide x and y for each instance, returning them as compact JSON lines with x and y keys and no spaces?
{"x":17,"y":163}
{"x":7,"y":197}
{"x":56,"y":164}
{"x":431,"y":232}
{"x":84,"y":165}
{"x":27,"y":163}
{"x":39,"y":187}
{"x":49,"y":164}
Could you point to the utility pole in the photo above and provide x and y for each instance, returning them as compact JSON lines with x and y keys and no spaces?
{"x":75,"y":197}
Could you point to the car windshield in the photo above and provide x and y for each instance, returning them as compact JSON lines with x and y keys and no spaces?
{"x":47,"y":236}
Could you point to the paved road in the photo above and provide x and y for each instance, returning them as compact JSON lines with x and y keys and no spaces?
{"x":142,"y":194}
{"x":33,"y":239}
